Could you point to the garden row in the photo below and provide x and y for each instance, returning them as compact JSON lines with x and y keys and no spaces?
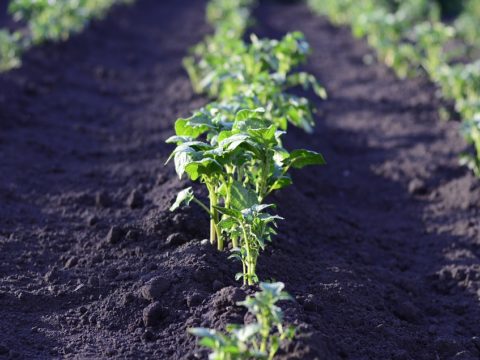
{"x":410,"y":37}
{"x":233,"y":146}
{"x":46,"y":20}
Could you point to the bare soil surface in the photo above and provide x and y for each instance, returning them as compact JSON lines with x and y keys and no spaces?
{"x":380,"y":248}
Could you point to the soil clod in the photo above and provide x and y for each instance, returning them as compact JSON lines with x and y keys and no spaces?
{"x":114,"y":235}
{"x":155,"y":288}
{"x":153,"y":314}
{"x":176,"y":239}
{"x":417,"y":187}
{"x":102,"y":199}
{"x":135,"y":200}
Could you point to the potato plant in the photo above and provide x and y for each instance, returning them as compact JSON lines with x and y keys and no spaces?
{"x":240,"y":162}
{"x":258,"y":340}
{"x":255,"y":227}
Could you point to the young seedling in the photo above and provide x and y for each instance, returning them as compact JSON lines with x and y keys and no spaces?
{"x":259,"y":340}
{"x":200,"y":162}
{"x":254,"y":227}
{"x":242,"y":164}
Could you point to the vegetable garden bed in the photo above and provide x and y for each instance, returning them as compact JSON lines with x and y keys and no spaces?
{"x":379,"y":249}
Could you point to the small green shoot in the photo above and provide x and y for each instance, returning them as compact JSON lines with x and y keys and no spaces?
{"x":259,"y":340}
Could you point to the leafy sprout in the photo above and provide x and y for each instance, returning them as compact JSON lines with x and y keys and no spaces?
{"x":259,"y":340}
{"x":241,"y":163}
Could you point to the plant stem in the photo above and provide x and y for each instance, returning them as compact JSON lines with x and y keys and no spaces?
{"x":213,"y":203}
{"x":249,"y":261}
{"x":263,"y":185}
{"x":228,"y":200}
{"x":214,"y":232}
{"x":265,"y":332}
{"x":202,"y":205}
{"x":220,"y":244}
{"x":252,"y":272}
{"x":244,"y":273}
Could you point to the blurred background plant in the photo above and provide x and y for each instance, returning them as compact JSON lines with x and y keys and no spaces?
{"x":46,"y":20}
{"x":439,"y":39}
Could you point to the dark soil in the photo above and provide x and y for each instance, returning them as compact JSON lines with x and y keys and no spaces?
{"x":380,"y":248}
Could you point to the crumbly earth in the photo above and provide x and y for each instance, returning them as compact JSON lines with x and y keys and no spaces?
{"x":380,"y":248}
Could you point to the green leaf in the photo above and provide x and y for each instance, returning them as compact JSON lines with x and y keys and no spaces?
{"x":241,"y":197}
{"x":230,"y":212}
{"x":244,"y":333}
{"x":281,"y":182}
{"x":319,"y":90}
{"x":248,"y":114}
{"x":267,"y":218}
{"x":227,"y":223}
{"x":208,"y":343}
{"x":184,"y":196}
{"x":239,"y":275}
{"x":207,"y":167}
{"x":178,"y":139}
{"x":236,"y":257}
{"x":307,"y":80}
{"x":261,"y":207}
{"x":225,"y":134}
{"x":300,"y":118}
{"x":234,"y":141}
{"x":231,"y":350}
{"x":189,"y":147}
{"x":242,"y":141}
{"x":274,"y":344}
{"x":301,"y":158}
{"x":251,"y":123}
{"x":203,"y":332}
{"x":193,"y":126}
{"x":289,"y":332}
{"x":182,"y":159}
{"x":273,"y":288}
{"x":266,"y":135}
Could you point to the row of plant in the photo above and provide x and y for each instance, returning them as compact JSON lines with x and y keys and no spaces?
{"x":410,"y":37}
{"x":46,"y":20}
{"x":234,"y":147}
